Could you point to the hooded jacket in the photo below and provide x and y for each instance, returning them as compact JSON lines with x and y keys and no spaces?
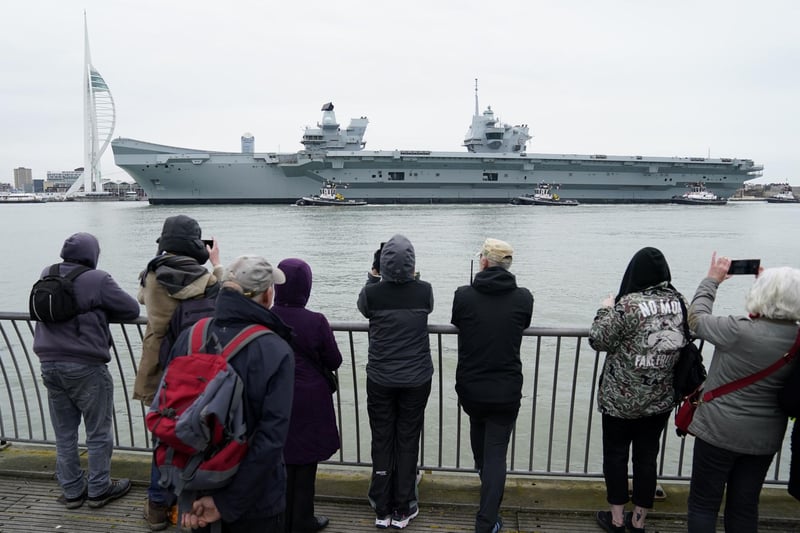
{"x":313,"y":435}
{"x":166,"y":281}
{"x":266,"y":366}
{"x":491,"y":315}
{"x":642,"y":335}
{"x":86,"y":338}
{"x":397,"y":307}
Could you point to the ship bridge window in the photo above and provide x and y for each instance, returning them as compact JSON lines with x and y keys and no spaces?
{"x":397,"y":176}
{"x":490,"y":176}
{"x":494,"y":135}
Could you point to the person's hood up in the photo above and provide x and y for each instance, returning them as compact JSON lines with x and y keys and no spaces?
{"x":398,"y":260}
{"x":493,"y":280}
{"x":181,"y":236}
{"x":647,"y":268}
{"x":297,"y":289}
{"x":82,"y":248}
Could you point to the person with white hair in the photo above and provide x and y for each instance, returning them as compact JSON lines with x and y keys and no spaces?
{"x":491,"y":314}
{"x":737,"y":434}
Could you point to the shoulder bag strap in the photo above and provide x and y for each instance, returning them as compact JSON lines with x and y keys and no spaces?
{"x":752,"y":378}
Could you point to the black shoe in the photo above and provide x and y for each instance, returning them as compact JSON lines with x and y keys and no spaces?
{"x":118,"y":489}
{"x":629,"y":524}
{"x":73,"y":503}
{"x":322,"y":522}
{"x":605,"y":521}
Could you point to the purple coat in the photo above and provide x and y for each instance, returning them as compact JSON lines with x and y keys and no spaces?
{"x":313,"y":435}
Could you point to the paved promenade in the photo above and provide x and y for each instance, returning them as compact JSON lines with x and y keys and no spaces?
{"x":28,"y":495}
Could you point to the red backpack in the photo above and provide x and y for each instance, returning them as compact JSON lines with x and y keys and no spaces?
{"x":197,"y":416}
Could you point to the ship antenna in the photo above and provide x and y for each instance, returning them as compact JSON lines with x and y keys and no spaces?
{"x":476,"y":97}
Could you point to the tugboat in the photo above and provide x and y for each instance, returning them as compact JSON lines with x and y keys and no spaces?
{"x":786,"y":196}
{"x":542,"y":195}
{"x":699,"y":195}
{"x":328,"y":196}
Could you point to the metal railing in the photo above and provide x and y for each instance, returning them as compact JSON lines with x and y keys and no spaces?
{"x":557,"y":432}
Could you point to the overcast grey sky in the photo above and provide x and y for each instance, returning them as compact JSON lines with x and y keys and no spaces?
{"x":629,"y":77}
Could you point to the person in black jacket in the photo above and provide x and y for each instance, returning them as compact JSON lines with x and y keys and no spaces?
{"x":491,"y":313}
{"x":255,"y":499}
{"x":399,"y":371}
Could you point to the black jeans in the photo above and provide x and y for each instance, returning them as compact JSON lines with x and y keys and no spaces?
{"x":715,"y":468}
{"x":396,"y":415}
{"x":490,"y":429}
{"x":619,"y":436}
{"x":300,"y":481}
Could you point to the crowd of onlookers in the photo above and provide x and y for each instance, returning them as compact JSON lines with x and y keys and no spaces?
{"x":287,"y":380}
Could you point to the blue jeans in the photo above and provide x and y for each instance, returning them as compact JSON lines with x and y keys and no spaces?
{"x":75,"y":390}
{"x":712,"y":469}
{"x":155,"y":492}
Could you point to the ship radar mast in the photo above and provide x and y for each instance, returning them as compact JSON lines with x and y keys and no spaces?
{"x":99,"y":119}
{"x":476,"y":98}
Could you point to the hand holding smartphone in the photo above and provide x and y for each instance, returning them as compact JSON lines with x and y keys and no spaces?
{"x":208,"y":242}
{"x":744,"y":266}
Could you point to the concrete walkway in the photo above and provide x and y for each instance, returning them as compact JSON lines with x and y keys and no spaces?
{"x":28,"y":495}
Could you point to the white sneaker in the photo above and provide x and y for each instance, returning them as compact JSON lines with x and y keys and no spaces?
{"x":401,"y":521}
{"x":383,"y":522}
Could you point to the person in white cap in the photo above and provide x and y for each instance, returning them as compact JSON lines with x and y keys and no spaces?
{"x":256,"y":497}
{"x":491,"y":313}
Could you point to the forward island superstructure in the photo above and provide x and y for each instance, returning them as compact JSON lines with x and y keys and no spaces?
{"x":496,"y":168}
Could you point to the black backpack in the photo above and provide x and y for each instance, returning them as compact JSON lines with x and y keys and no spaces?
{"x":52,"y":298}
{"x":185,"y":315}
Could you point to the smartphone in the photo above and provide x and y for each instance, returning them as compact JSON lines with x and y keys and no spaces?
{"x":208,"y":242}
{"x":744,"y":266}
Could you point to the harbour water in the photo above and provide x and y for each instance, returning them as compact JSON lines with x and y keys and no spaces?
{"x":570,"y":258}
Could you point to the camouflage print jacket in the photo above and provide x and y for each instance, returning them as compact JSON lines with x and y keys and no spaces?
{"x":642,"y":335}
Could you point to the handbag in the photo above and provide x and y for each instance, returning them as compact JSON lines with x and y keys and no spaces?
{"x":685,"y":411}
{"x":689,"y":372}
{"x":330,"y":376}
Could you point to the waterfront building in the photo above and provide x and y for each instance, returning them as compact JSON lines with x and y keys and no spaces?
{"x":23,"y":179}
{"x":62,"y":180}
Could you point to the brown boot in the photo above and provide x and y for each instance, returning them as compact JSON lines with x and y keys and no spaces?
{"x":157,"y":515}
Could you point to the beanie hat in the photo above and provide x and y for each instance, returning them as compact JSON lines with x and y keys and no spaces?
{"x":181,"y":236}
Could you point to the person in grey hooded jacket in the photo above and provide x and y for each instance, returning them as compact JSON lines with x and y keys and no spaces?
{"x":73,"y":356}
{"x":399,"y":371}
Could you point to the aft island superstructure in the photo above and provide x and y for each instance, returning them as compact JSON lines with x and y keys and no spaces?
{"x":496,"y":168}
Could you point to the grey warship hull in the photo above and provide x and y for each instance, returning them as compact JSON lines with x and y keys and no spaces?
{"x":171,"y":175}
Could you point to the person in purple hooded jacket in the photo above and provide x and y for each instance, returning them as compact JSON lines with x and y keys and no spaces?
{"x":73,"y":357}
{"x":313,"y":435}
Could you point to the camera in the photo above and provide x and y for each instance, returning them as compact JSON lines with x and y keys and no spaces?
{"x":376,"y":258}
{"x":744,"y":266}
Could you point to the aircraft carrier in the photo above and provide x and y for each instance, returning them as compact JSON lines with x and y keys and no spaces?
{"x":495,"y":168}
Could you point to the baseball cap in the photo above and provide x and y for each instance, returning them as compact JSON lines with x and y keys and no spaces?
{"x":253,"y":274}
{"x":496,"y":250}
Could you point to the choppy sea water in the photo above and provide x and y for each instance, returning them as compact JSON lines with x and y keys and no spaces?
{"x":570,"y":257}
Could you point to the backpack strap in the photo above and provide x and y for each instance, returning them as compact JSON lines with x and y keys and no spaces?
{"x":197,"y":335}
{"x":242,"y":339}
